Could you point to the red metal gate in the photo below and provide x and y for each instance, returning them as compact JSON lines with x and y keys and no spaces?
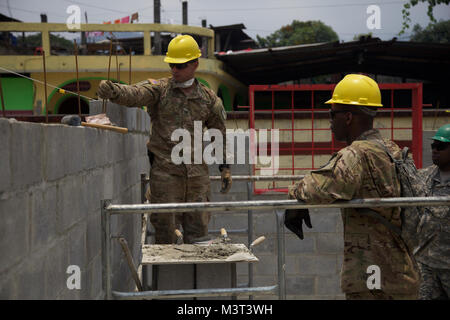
{"x":299,"y":113}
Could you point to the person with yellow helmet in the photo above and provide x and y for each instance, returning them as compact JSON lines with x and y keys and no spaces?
{"x":361,"y":170}
{"x":434,"y":258}
{"x":178,"y":102}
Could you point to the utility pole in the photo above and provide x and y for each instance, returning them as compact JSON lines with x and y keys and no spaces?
{"x":157,"y":19}
{"x":185,"y":14}
{"x":83,"y":46}
{"x":204,"y":41}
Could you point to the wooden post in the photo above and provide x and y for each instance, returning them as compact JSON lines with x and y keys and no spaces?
{"x":45,"y":87}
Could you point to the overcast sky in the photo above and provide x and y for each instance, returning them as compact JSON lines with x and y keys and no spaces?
{"x":262,"y":17}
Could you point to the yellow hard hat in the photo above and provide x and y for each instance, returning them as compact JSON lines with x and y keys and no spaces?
{"x":182,"y":49}
{"x":357,"y":90}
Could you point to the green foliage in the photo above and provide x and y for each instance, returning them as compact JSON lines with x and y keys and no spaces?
{"x":437,"y":33}
{"x":299,"y":32}
{"x":56,"y":41}
{"x":361,"y":35}
{"x":407,"y":6}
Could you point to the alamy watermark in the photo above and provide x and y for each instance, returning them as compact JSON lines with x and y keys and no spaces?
{"x":374,"y":20}
{"x":374,"y":280}
{"x":213,"y":152}
{"x":74,"y":20}
{"x":74,"y":280}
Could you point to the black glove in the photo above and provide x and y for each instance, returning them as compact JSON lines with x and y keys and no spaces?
{"x":293,"y":220}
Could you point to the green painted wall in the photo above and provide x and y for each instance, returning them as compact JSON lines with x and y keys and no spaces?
{"x":18,"y":93}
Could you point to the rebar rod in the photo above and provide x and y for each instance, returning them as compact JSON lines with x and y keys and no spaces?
{"x":275,"y":204}
{"x":223,"y":292}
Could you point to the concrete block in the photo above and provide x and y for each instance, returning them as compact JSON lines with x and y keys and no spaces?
{"x":43,"y":216}
{"x":71,"y":202}
{"x":14,"y":230}
{"x":330,"y":243}
{"x":300,"y":285}
{"x":267,"y":265}
{"x":291,"y":265}
{"x":94,"y":179}
{"x":95,"y":278}
{"x":230,"y":220}
{"x":174,"y":277}
{"x":324,"y":220}
{"x":56,"y":264}
{"x":216,"y":275}
{"x":26,"y":153}
{"x":130,"y":119}
{"x":5,"y":146}
{"x":97,"y":156}
{"x":8,"y":288}
{"x":264,"y":222}
{"x":31,"y":283}
{"x":317,"y":264}
{"x":329,"y":285}
{"x":77,"y":245}
{"x":296,"y":246}
{"x":93,"y":236}
{"x":108,"y":183}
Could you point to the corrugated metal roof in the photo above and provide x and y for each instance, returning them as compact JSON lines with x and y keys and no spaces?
{"x":426,"y":61}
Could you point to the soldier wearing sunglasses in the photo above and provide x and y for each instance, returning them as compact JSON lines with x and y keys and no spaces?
{"x":176,"y":103}
{"x":434,"y":259}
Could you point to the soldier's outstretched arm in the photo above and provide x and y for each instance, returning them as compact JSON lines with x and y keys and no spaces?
{"x":128,"y":95}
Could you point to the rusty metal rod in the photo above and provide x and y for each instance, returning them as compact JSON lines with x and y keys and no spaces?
{"x":130,"y":262}
{"x":109,"y":68}
{"x":276,"y":204}
{"x":117,"y":67}
{"x":78,"y":81}
{"x":129,"y":69}
{"x":45,"y":87}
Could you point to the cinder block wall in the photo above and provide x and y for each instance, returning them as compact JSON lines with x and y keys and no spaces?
{"x":53,"y":178}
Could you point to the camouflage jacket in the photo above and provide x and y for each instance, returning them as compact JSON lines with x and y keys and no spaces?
{"x":436,"y":252}
{"x":364,"y":170}
{"x":170,"y":109}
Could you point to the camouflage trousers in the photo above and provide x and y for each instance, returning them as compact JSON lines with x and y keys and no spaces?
{"x":379,"y":295}
{"x":170,"y":188}
{"x":435,"y":284}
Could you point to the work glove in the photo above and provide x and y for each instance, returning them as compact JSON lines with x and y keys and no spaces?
{"x":225,"y":174}
{"x":107,"y":90}
{"x":294,"y":218}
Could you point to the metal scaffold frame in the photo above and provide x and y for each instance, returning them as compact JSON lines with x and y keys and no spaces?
{"x":278,"y":206}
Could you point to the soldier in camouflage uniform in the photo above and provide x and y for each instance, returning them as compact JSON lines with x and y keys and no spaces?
{"x":175,"y":103}
{"x":434,"y":257}
{"x":361,"y":170}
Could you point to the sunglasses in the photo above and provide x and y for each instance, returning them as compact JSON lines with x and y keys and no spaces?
{"x":439,"y":146}
{"x":334,"y":112}
{"x":179,"y":66}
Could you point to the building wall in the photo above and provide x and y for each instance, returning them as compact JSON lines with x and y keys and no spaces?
{"x":53,"y":180}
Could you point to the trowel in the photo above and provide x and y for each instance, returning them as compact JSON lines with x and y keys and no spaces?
{"x":242,"y":256}
{"x":179,"y":236}
{"x":224,"y":235}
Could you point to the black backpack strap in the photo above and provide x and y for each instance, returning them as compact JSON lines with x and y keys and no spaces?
{"x":373,"y":214}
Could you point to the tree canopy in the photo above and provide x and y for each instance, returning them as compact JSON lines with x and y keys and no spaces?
{"x":438,"y":33}
{"x":299,"y":32}
{"x":411,"y":3}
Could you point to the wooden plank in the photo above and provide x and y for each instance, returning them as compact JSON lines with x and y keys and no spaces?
{"x":196,"y":254}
